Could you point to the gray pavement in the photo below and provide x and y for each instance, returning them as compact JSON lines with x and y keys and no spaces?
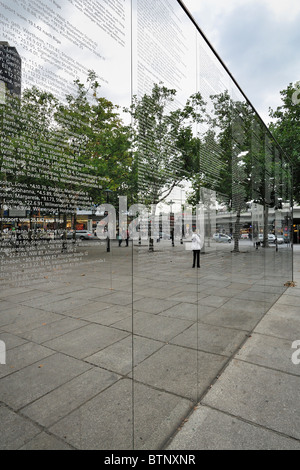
{"x":137,"y":350}
{"x":254,"y":404}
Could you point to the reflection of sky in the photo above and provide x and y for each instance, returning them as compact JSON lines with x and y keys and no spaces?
{"x":259,"y":42}
{"x":198,"y":69}
{"x":111,"y":61}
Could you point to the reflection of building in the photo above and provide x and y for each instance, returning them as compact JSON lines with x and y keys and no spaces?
{"x":10,"y":69}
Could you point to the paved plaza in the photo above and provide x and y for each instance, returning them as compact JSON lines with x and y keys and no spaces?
{"x":137,"y":350}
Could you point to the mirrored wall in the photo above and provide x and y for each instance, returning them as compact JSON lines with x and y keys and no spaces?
{"x":146,"y":216}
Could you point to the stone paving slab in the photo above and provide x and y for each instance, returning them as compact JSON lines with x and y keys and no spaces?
{"x":254,"y":404}
{"x":86,"y":340}
{"x":23,"y":356}
{"x":153,"y":326}
{"x":183,"y":311}
{"x":269,"y":351}
{"x":83,"y":312}
{"x":149,"y":305}
{"x":235,"y":315}
{"x":32,"y":382}
{"x":282,"y":322}
{"x":110,"y":315}
{"x":74,"y":353}
{"x":120,"y":357}
{"x":210,"y":338}
{"x":262,"y":396}
{"x":45,"y":441}
{"x":15,"y":430}
{"x":192,"y":374}
{"x":57,"y":404}
{"x":20,"y":319}
{"x":97,"y":424}
{"x":49,"y":331}
{"x":209,"y":429}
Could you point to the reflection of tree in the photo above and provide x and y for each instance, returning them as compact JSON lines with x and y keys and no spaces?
{"x":60,"y":152}
{"x":94,"y":134}
{"x":252,"y":164}
{"x":231,"y":123}
{"x":286,"y":129}
{"x":163,"y":143}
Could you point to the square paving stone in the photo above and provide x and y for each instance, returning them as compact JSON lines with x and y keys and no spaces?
{"x":15,"y":430}
{"x":46,"y":299}
{"x":179,"y":370}
{"x":156,"y":292}
{"x":267,"y":289}
{"x":84,"y":311}
{"x":153,"y":326}
{"x":6,"y":305}
{"x":49,"y":331}
{"x":27,"y":295}
{"x":66,"y":305}
{"x":270,"y":352}
{"x":261,"y":296}
{"x":281,"y":322}
{"x":121,"y":298}
{"x":91,"y":293}
{"x":122,"y":356}
{"x":290,"y":300}
{"x":213,"y":301}
{"x":60,"y":402}
{"x":44,"y":441}
{"x":21,"y":319}
{"x":110,"y":315}
{"x":210,"y":338}
{"x":189,"y":297}
{"x":235,"y":315}
{"x":10,"y":340}
{"x":183,"y":310}
{"x":13,"y":291}
{"x":32,"y":382}
{"x":259,"y":395}
{"x":149,"y":305}
{"x":22,"y":356}
{"x":86,"y":341}
{"x":208,"y":429}
{"x":106,"y":421}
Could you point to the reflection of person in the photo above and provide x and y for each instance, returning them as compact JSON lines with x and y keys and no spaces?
{"x":196,"y":247}
{"x":120,"y":237}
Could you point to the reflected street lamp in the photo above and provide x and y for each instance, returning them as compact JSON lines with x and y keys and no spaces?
{"x":172,"y":229}
{"x":107,"y":191}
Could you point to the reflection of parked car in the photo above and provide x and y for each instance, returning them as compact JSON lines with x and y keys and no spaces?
{"x":164,"y":235}
{"x":271,"y":237}
{"x":222,"y":237}
{"x":81,"y":234}
{"x":47,"y":235}
{"x":280,"y":239}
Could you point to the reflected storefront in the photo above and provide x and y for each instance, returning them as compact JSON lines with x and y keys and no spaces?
{"x":129,"y":127}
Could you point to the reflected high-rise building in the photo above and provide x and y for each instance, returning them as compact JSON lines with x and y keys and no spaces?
{"x":10,"y":69}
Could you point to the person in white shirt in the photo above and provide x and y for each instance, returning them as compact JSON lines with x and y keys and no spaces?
{"x":196,"y":247}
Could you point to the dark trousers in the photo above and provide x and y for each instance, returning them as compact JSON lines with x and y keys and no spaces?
{"x":196,"y":254}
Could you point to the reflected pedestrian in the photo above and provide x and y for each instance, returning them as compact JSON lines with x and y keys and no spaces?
{"x":196,"y":247}
{"x":120,"y":237}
